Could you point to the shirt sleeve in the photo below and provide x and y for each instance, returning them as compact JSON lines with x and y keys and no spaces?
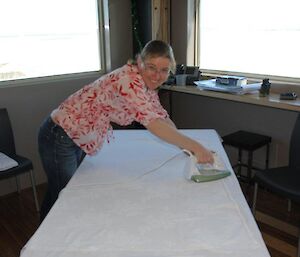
{"x":151,"y":110}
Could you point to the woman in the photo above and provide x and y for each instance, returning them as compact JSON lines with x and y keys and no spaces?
{"x":81,"y":123}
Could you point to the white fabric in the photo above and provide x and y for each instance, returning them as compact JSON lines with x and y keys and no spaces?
{"x":6,"y":162}
{"x":124,"y":202}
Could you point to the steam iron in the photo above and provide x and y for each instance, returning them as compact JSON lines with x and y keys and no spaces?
{"x":205,"y":172}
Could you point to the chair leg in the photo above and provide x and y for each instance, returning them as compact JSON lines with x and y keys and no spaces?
{"x":254,"y":199}
{"x":267,"y":156}
{"x":18,"y":184}
{"x":249,"y":168}
{"x":34,"y":191}
{"x":298,"y":255}
{"x":240,"y":156}
{"x":289,"y":205}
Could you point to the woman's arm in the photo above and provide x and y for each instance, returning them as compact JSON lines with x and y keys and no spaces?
{"x":170,"y":122}
{"x":167,"y":131}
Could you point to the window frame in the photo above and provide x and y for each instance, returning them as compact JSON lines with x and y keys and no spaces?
{"x":104,"y":50}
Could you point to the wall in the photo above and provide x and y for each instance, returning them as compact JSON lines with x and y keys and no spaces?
{"x":178,"y":29}
{"x":29,"y":105}
{"x":121,"y":32}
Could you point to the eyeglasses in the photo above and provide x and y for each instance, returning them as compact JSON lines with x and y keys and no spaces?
{"x":153,"y":70}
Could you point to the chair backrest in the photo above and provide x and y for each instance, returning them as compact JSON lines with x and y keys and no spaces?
{"x":7,"y":143}
{"x":294,"y":156}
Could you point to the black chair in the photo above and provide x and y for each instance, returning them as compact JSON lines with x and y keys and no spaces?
{"x":7,"y":147}
{"x":284,"y":181}
{"x":249,"y":142}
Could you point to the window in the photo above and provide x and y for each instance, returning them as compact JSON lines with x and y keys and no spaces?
{"x":256,"y":38}
{"x":46,"y":38}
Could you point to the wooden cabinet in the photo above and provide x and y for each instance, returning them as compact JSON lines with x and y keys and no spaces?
{"x":161,"y":20}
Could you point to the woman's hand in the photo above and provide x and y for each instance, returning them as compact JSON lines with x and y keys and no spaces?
{"x":203,"y":155}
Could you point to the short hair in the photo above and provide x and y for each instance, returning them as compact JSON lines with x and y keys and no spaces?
{"x":158,"y":48}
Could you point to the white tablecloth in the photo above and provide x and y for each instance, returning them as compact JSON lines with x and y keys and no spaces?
{"x":132,"y":200}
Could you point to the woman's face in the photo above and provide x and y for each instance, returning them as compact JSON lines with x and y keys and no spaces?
{"x":154,"y":71}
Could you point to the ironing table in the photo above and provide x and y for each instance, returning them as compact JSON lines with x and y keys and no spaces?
{"x":132,"y":200}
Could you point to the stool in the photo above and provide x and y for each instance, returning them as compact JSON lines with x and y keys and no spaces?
{"x":250,"y":142}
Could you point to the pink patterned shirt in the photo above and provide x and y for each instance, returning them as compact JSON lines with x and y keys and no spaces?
{"x":120,"y":97}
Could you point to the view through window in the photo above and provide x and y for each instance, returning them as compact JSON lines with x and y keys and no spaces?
{"x":45,"y":38}
{"x":259,"y":37}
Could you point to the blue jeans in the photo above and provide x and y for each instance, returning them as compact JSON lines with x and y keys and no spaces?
{"x":60,"y":157}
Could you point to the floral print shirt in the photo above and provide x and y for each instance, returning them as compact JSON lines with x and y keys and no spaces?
{"x":120,"y":97}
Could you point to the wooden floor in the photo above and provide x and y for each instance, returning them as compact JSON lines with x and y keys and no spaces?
{"x":279,"y":227}
{"x":19,"y":220}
